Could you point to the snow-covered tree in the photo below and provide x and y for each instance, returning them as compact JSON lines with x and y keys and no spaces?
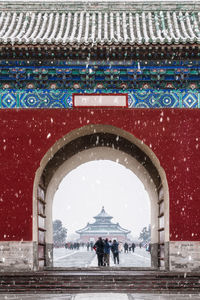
{"x":59,"y":233}
{"x":145,"y":234}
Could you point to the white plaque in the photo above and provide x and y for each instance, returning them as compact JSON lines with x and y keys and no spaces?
{"x":100,"y":100}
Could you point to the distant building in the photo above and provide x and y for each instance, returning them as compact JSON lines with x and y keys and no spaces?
{"x":103,"y":227}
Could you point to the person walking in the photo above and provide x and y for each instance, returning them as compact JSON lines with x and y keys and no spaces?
{"x":107,"y":247}
{"x":88,"y":246}
{"x":91,"y":246}
{"x":133,"y":247}
{"x":99,"y":246}
{"x":125,"y":248}
{"x":115,"y":251}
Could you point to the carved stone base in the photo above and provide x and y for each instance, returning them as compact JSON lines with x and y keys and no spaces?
{"x":16,"y":256}
{"x":154,"y":255}
{"x":49,"y":255}
{"x":184,"y":256}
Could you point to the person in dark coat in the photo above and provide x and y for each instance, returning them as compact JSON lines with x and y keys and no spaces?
{"x":125,"y":247}
{"x":115,"y":251}
{"x":88,"y":246}
{"x":107,"y":247}
{"x":91,"y":246}
{"x":99,"y":246}
{"x":149,"y":248}
{"x":133,"y":247}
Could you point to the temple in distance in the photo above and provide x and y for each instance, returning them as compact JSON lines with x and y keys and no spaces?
{"x":103,"y":227}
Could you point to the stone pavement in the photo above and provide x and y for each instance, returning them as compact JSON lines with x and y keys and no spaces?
{"x":83,"y":258}
{"x":100,"y":296}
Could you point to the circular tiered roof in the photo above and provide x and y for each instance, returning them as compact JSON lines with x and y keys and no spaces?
{"x":103,"y":226}
{"x":103,"y":215}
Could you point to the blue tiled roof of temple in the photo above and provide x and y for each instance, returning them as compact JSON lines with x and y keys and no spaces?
{"x":103,"y":226}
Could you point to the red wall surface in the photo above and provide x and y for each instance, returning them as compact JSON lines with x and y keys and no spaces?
{"x":172,"y":134}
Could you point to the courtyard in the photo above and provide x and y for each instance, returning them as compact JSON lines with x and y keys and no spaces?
{"x":83,"y":258}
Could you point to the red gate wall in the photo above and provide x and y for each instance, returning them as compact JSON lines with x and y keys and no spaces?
{"x":26,"y":135}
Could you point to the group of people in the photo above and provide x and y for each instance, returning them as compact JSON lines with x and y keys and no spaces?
{"x":77,"y":245}
{"x":128,"y":247}
{"x":74,"y":246}
{"x":90,"y":246}
{"x":103,"y":249}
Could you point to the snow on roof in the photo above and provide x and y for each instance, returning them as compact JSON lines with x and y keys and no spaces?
{"x":102,"y":225}
{"x":88,"y":24}
{"x":103,"y":214}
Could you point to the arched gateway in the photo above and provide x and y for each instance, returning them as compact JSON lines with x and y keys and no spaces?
{"x":96,"y":142}
{"x":99,"y":80}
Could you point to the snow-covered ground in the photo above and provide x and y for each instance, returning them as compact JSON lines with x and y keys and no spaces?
{"x":100,"y":296}
{"x":83,"y":258}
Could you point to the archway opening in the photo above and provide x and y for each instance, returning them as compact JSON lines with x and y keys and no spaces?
{"x":91,"y":143}
{"x":86,"y":191}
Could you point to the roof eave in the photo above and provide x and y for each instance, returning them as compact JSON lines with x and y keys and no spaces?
{"x":102,"y":5}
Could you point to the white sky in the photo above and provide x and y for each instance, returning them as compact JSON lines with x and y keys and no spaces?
{"x":84,"y":191}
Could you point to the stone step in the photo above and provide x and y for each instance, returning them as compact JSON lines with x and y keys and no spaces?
{"x":94,"y":286}
{"x":102,"y":290}
{"x":164,"y":284}
{"x":94,"y":281}
{"x":66,"y":283}
{"x":99,"y":279}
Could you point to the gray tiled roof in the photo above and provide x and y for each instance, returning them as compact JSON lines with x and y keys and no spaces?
{"x":98,"y":27}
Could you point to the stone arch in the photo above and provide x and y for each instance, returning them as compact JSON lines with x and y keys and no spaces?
{"x":96,"y":142}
